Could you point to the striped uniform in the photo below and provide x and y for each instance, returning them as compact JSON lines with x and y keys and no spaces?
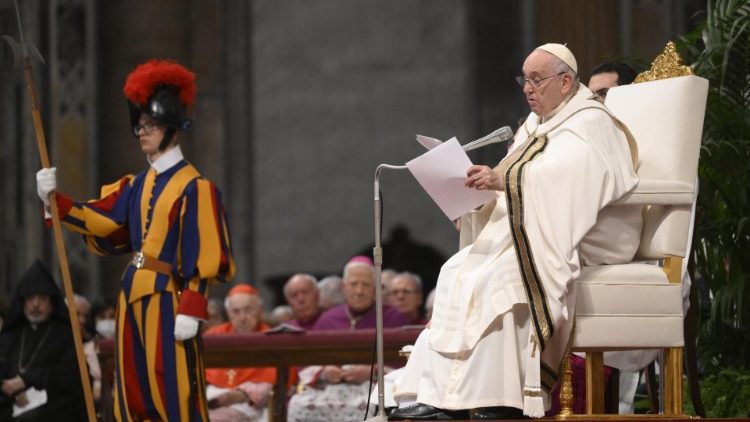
{"x":177,"y":217}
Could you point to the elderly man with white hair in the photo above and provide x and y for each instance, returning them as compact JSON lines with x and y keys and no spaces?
{"x":504,"y":305}
{"x":405,"y":294}
{"x":329,"y":290}
{"x":240,"y":394}
{"x":302,"y":295}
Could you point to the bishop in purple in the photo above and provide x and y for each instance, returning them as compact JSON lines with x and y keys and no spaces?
{"x":340,"y":392}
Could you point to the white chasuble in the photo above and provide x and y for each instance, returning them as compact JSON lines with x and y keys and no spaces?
{"x":559,"y":178}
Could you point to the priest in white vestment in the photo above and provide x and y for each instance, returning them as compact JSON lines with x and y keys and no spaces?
{"x":504,"y":305}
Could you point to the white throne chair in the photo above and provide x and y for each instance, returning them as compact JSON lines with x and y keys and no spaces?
{"x":639,"y":305}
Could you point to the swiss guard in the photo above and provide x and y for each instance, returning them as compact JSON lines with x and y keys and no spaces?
{"x":173,"y":223}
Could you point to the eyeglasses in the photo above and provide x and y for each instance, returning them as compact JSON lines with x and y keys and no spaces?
{"x":535,"y":82}
{"x":405,"y":292}
{"x":147,"y":128}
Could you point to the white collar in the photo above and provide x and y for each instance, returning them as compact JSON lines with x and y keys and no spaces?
{"x":534,"y":126}
{"x":559,"y":107}
{"x":166,"y":160}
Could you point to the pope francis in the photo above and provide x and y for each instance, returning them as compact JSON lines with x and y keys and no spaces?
{"x":504,"y":304}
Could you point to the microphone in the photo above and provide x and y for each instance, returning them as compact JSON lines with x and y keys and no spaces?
{"x":499,"y":135}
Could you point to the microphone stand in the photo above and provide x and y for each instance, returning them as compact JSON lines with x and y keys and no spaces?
{"x":499,"y":135}
{"x":377,"y":255}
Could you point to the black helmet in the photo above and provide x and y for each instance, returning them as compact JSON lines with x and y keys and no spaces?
{"x":164,"y":90}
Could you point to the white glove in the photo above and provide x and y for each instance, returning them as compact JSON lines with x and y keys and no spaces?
{"x":46,"y":182}
{"x":185,"y":327}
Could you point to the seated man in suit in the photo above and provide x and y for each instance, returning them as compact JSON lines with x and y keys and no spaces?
{"x":302,"y":295}
{"x":405,"y":294}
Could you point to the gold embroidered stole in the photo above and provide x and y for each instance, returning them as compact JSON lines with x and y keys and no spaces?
{"x":511,"y":171}
{"x":513,"y":176}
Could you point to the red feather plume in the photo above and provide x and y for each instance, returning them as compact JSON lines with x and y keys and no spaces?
{"x":143,"y":79}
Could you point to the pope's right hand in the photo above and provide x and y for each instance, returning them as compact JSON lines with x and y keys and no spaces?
{"x":46,"y":182}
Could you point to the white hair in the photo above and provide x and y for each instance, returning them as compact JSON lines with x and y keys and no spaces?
{"x":353,"y":264}
{"x":281,"y":311}
{"x":330,"y":290}
{"x":216,"y":302}
{"x":79,"y":300}
{"x":559,"y":66}
{"x":309,"y":277}
{"x":414,"y":278}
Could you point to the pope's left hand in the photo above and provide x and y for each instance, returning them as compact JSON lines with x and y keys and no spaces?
{"x":185,"y":327}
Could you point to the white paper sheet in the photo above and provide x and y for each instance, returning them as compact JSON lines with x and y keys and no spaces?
{"x":428,"y":142}
{"x":35,"y":399}
{"x":442,"y":172}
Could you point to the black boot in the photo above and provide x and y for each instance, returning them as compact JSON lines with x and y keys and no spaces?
{"x":419,"y":412}
{"x":497,"y":412}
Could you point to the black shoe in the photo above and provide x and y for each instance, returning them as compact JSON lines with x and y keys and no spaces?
{"x":498,"y":412}
{"x":420,"y":412}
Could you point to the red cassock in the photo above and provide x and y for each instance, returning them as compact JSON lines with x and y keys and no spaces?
{"x":232,"y":377}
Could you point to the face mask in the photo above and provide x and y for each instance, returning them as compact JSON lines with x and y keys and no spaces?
{"x":106,"y":327}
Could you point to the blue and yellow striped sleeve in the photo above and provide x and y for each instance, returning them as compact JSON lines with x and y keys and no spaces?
{"x":103,"y":221}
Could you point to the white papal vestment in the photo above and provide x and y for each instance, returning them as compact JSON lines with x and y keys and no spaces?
{"x":509,"y":294}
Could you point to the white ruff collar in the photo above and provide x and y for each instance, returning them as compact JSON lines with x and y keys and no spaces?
{"x":167,"y":159}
